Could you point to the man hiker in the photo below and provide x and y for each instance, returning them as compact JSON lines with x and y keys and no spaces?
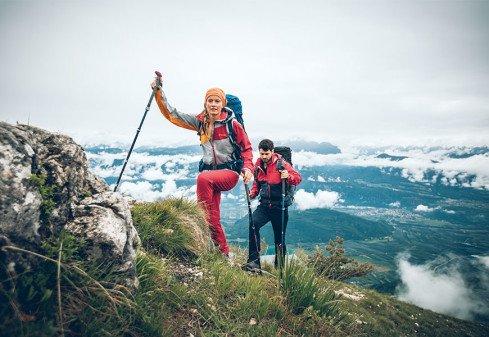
{"x":269,"y":170}
{"x":227,"y":153}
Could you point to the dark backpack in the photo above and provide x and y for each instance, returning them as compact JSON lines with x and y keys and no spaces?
{"x":234,"y":104}
{"x":286,"y":154}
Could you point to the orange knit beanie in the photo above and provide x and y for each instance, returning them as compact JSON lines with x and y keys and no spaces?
{"x":216,"y":92}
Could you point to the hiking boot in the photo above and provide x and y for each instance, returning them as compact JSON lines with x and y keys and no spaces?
{"x":251,"y":266}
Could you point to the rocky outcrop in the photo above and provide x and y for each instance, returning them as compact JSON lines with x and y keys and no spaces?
{"x":46,"y":187}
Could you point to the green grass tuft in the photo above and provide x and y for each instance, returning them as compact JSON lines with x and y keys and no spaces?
{"x":172,"y":227}
{"x":302,"y":290}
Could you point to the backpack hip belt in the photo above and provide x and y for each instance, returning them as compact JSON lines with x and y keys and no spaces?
{"x":235,"y":165}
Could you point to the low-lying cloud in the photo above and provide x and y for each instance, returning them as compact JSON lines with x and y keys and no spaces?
{"x":145,"y":191}
{"x":484,"y":260}
{"x":443,"y":292}
{"x":423,"y":208}
{"x":421,"y":165}
{"x":103,"y":163}
{"x":321,"y":199}
{"x":143,"y":167}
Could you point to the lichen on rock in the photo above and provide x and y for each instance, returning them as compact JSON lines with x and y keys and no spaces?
{"x":46,"y":187}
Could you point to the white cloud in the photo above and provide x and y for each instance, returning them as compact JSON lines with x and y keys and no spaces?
{"x":467,"y":172}
{"x":320,"y":199}
{"x":142,"y":190}
{"x":169,"y":188}
{"x":395,"y":204}
{"x":153,"y":173}
{"x":445,"y":293}
{"x":143,"y":158}
{"x":105,"y":158}
{"x":230,"y":196}
{"x":484,"y":260}
{"x":423,"y":208}
{"x":449,"y":211}
{"x":143,"y":166}
{"x":422,"y":165}
{"x":112,"y":171}
{"x":145,"y":191}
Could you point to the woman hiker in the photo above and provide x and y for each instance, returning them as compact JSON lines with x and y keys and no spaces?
{"x":227,"y":153}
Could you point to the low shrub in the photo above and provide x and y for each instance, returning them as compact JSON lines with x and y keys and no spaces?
{"x":332,"y":262}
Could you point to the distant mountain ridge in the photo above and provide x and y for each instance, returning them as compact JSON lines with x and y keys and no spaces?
{"x":151,"y":150}
{"x":390,"y":157}
{"x":303,"y":145}
{"x":295,"y":145}
{"x":319,"y":226}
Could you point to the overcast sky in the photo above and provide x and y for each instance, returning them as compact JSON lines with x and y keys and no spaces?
{"x":346,"y":72}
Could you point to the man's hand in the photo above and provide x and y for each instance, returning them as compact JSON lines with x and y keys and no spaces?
{"x":284,"y":174}
{"x":247,"y":175}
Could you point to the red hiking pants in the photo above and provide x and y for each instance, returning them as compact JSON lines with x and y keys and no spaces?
{"x":210,"y":184}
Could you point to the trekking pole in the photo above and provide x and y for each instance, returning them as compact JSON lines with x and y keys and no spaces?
{"x":250,"y":217}
{"x":158,"y":84}
{"x":282,"y":235}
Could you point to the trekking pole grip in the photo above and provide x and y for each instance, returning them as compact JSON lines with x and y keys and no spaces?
{"x":158,"y":78}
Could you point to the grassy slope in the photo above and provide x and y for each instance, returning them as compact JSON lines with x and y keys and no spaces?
{"x":214,"y":297}
{"x":185,"y":287}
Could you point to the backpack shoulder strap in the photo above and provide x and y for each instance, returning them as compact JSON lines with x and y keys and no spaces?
{"x":280,"y":163}
{"x":232,"y":138}
{"x":230,"y":130}
{"x":255,"y":174}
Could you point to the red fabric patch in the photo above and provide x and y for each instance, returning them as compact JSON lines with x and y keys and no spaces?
{"x":220,"y":133}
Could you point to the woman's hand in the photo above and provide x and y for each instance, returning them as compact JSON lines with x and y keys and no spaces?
{"x":156,"y":82}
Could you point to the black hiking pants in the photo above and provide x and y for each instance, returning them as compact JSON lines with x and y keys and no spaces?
{"x":261,"y":216}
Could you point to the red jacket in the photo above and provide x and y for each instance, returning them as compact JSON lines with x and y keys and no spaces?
{"x":267,"y":181}
{"x":217,"y":148}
